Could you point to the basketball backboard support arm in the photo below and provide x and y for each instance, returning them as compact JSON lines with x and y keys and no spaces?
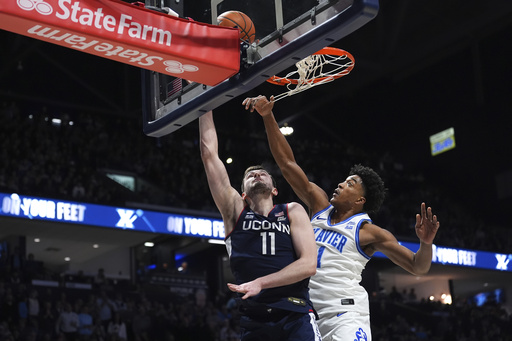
{"x":328,"y":22}
{"x":278,"y":9}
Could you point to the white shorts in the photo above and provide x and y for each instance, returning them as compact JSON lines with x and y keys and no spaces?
{"x":347,"y":326}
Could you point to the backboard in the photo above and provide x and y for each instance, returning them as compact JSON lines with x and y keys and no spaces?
{"x":286,"y":31}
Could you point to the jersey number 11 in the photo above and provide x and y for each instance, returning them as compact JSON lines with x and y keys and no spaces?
{"x":265,"y":250}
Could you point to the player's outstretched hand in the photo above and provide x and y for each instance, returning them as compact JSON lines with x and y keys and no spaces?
{"x":426,"y":225}
{"x":262,"y":105}
{"x":249,"y":289}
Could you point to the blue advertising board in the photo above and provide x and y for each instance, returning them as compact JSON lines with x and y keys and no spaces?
{"x":14,"y":205}
{"x":122,"y":218}
{"x":462,"y":257}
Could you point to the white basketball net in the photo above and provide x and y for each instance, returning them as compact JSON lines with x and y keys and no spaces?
{"x":316,"y":70}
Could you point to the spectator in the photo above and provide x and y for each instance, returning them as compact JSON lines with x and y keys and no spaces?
{"x":9,"y":310}
{"x":85,"y":324}
{"x":17,"y":260}
{"x":141,"y":324}
{"x":33,"y":268}
{"x":78,"y":192}
{"x":15,"y":278}
{"x":117,"y":329}
{"x":48,"y":320}
{"x":105,"y":308}
{"x":227,"y":332}
{"x":411,"y":296}
{"x":33,"y":306}
{"x":25,"y":331}
{"x":22,"y":315}
{"x":224,"y":314}
{"x":5,"y":332}
{"x":394,"y":295}
{"x":183,"y":269}
{"x":119,"y":303}
{"x":100,"y":280}
{"x":4,"y":264}
{"x":67,"y":323}
{"x":99,"y":333}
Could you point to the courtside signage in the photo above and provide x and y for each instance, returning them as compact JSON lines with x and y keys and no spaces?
{"x":207,"y":54}
{"x":18,"y":206}
{"x":25,"y":207}
{"x":462,"y":257}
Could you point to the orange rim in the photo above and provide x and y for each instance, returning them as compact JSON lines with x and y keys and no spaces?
{"x":333,"y":51}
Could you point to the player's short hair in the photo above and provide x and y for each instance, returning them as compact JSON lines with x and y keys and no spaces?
{"x":257,"y":167}
{"x":374,"y":190}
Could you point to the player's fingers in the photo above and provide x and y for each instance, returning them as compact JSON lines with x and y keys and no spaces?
{"x":429,"y":214}
{"x":247,"y":103}
{"x":423,"y":210}
{"x":249,"y":100}
{"x":270,"y":103}
{"x":434,"y":220}
{"x":232,"y":287}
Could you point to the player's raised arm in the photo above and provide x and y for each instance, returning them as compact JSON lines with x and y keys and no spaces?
{"x":228,"y":200}
{"x":378,"y":239}
{"x":312,"y":195}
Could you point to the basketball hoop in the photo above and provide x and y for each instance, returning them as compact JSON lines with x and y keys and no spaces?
{"x":322,"y":67}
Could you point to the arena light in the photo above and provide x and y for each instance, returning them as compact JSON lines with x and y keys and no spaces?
{"x":149,"y":244}
{"x":446,"y":299}
{"x":286,"y":130}
{"x":216,"y":241}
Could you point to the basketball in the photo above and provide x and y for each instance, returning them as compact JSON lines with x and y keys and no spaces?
{"x":240,"y":20}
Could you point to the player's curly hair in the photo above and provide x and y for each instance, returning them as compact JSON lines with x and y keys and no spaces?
{"x":257,"y":167}
{"x":373,"y":187}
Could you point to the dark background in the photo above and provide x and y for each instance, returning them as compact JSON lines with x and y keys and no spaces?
{"x":421,"y":67}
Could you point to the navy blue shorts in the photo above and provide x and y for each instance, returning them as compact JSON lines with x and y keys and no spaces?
{"x":289,"y":326}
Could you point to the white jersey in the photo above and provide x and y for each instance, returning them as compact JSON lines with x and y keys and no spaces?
{"x":336,"y":286}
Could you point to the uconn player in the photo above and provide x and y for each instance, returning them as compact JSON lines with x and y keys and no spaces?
{"x":271,"y":247}
{"x":345,"y":236}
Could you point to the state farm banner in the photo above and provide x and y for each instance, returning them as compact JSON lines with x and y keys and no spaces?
{"x":129,"y":34}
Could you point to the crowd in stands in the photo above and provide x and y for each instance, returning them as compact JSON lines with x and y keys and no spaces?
{"x":68,"y":161}
{"x":64,"y":161}
{"x":401,"y":318}
{"x":114,"y":311}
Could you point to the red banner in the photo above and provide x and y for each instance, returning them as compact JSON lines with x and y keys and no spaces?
{"x":112,"y":29}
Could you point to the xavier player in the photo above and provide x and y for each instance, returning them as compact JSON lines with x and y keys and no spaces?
{"x":271,"y":247}
{"x":345,"y":236}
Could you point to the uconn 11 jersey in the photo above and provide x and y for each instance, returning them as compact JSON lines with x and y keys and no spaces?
{"x":335,"y":288}
{"x":260,"y":245}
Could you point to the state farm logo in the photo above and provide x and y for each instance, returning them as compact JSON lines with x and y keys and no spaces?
{"x":40,"y":6}
{"x":173,"y":66}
